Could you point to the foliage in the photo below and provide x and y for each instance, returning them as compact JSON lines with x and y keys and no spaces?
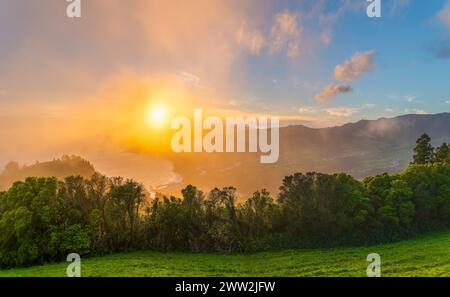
{"x":442,"y":153}
{"x":424,"y":151}
{"x":44,"y":219}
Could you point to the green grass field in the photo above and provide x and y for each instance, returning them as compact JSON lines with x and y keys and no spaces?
{"x":425,"y":256}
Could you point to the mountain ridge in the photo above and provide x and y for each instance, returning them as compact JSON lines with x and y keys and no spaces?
{"x":362,"y":148}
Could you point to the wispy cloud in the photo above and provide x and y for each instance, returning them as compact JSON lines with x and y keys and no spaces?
{"x":307,"y":110}
{"x":189,"y":78}
{"x":369,"y":105}
{"x":341,"y":111}
{"x":416,"y":111}
{"x":355,"y":67}
{"x":410,"y":98}
{"x":328,"y":17}
{"x":398,"y":5}
{"x":253,"y":40}
{"x":325,"y":37}
{"x":331,"y":91}
{"x":285,"y":34}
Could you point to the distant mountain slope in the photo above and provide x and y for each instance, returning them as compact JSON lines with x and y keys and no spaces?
{"x":66,"y":166}
{"x":361,"y":149}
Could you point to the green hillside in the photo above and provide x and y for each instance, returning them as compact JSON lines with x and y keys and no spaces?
{"x":65,"y":166}
{"x":425,"y":256}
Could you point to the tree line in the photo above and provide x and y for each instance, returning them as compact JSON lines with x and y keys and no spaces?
{"x":43,"y":219}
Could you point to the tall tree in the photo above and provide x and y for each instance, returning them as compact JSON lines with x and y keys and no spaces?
{"x":126,"y":197}
{"x":442,"y":153}
{"x":193,"y":212}
{"x":424,"y":151}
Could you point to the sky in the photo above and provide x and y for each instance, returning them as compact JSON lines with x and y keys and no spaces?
{"x":255,"y":56}
{"x":71,"y":82}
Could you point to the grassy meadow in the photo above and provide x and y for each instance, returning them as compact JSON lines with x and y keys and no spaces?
{"x":428,"y":255}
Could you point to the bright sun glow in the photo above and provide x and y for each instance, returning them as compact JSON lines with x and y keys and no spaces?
{"x":157,"y":115}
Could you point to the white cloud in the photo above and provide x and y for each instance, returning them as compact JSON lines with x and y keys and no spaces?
{"x":352,"y":69}
{"x":448,"y":101}
{"x":341,"y":111}
{"x":410,"y":98}
{"x":189,"y":78}
{"x":285,"y":34}
{"x":388,"y":109}
{"x":307,"y":110}
{"x":416,"y":111}
{"x":369,"y":105}
{"x":331,"y":91}
{"x":325,"y":37}
{"x":253,"y":40}
{"x":358,"y":65}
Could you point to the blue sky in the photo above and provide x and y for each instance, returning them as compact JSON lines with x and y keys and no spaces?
{"x":407,"y":77}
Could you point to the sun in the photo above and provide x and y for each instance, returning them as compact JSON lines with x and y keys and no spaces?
{"x":157,"y":115}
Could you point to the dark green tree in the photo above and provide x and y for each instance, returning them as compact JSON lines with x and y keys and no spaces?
{"x":423,"y":152}
{"x":194,"y":213}
{"x":442,"y":153}
{"x":126,"y":196}
{"x":258,"y":214}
